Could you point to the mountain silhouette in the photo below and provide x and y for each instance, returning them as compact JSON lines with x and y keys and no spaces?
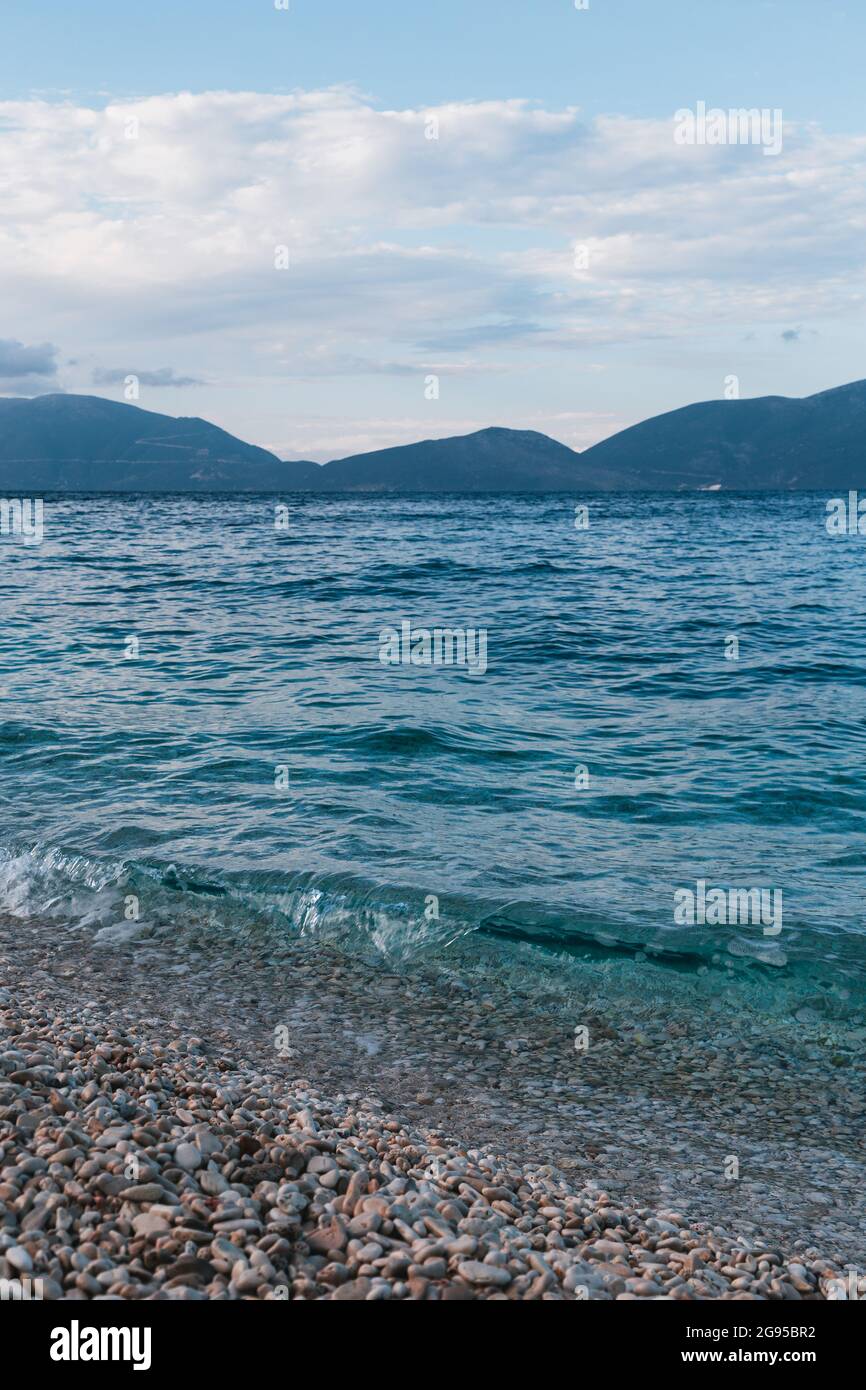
{"x":86,"y":443}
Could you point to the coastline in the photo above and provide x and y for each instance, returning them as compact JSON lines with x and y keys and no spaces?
{"x":295,"y":1102}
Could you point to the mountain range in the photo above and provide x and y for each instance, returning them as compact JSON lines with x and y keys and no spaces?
{"x":86,"y":443}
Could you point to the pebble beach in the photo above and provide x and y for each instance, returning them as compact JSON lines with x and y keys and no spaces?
{"x":160,"y":1138}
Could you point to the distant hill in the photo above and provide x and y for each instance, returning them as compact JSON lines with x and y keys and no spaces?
{"x":85,"y":443}
{"x":493,"y":460}
{"x":771,"y":442}
{"x":78,"y":443}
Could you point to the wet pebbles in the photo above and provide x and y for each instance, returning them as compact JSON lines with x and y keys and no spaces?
{"x":135,"y":1165}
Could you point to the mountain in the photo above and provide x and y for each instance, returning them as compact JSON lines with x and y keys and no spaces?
{"x":85,"y":443}
{"x":771,"y":442}
{"x":493,"y":460}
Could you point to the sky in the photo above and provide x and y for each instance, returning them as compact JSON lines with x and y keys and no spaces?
{"x":340,"y":226}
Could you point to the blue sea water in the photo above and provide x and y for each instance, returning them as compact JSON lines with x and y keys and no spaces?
{"x":248,"y":761}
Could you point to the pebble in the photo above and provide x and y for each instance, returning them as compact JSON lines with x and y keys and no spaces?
{"x":477,"y":1273}
{"x":149,"y":1224}
{"x":19,"y":1259}
{"x":188,"y":1156}
{"x":144,"y":1192}
{"x":258,"y":1186}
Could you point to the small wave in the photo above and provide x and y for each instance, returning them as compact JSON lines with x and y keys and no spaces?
{"x":379,"y":923}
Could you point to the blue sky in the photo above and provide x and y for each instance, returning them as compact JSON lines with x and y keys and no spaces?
{"x":411,"y":257}
{"x":636,"y":57}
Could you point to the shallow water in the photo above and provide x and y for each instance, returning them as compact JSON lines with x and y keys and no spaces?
{"x":416,"y":789}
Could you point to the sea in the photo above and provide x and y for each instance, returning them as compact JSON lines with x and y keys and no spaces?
{"x":625,"y":733}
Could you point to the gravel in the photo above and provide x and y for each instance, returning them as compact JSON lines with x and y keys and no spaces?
{"x":134,"y":1167}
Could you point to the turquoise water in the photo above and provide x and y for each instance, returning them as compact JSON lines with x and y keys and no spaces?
{"x":255,"y":764}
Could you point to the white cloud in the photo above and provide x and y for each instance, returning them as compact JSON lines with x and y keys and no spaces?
{"x":162,"y":376}
{"x":148,"y":230}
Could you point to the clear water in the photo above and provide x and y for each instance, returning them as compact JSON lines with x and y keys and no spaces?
{"x":258,"y":649}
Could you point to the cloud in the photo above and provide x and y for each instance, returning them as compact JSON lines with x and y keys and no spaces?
{"x":323,"y":361}
{"x":791,"y":335}
{"x":520,"y":240}
{"x":373,"y":214}
{"x":483,"y":335}
{"x":20,"y":363}
{"x":163,"y":376}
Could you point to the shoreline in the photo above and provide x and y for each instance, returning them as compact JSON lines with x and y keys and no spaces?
{"x":624,"y":1145}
